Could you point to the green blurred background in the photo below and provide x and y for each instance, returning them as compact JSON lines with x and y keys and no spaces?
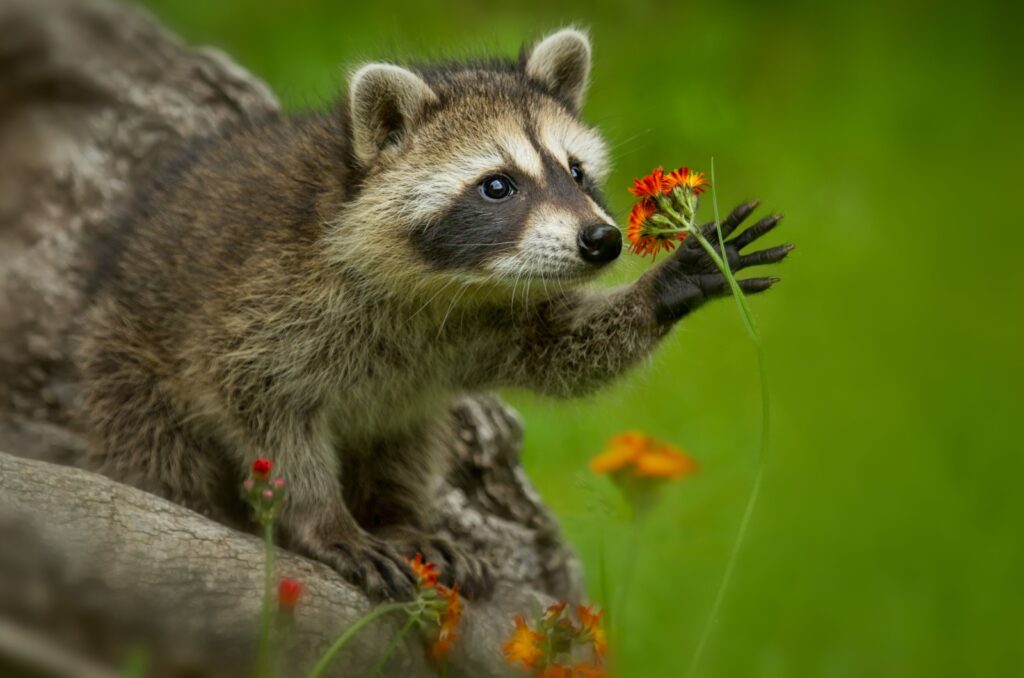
{"x":888,"y":540}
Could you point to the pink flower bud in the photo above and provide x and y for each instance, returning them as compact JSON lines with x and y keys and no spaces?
{"x":278,"y":483}
{"x":248,"y":483}
{"x":268,"y":493}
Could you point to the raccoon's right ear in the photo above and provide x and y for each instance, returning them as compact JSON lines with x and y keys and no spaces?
{"x":384,"y":102}
{"x":561,"y":61}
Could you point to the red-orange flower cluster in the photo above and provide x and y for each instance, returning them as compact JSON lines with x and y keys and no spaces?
{"x":262,"y":492}
{"x":579,"y":670}
{"x":644,"y":236}
{"x":448,"y":603}
{"x":448,"y":630}
{"x":643,"y":240}
{"x":426,"y":572}
{"x":526,"y":646}
{"x":687,"y":178}
{"x":651,"y":186}
{"x":658,"y":183}
{"x":546,"y":649}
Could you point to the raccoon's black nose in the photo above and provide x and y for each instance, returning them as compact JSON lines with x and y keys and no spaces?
{"x":599,"y":243}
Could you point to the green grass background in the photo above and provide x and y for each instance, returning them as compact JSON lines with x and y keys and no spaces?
{"x":888,"y":541}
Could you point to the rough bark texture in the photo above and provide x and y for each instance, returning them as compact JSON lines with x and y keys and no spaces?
{"x":91,"y":94}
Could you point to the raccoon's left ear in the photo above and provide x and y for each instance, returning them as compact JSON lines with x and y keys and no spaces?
{"x":385,"y":101}
{"x":561,"y":61}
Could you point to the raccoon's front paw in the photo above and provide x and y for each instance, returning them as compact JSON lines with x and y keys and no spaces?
{"x":691,"y":277}
{"x":472,"y":573}
{"x":369,"y":563}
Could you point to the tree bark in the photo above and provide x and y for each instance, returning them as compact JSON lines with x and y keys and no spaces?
{"x":92,"y":94}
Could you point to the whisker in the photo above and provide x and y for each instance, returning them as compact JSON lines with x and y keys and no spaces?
{"x":455,"y":299}
{"x":484,"y":244}
{"x":428,"y":301}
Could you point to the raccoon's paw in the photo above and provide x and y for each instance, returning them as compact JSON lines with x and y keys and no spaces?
{"x":472,"y":573}
{"x":690,"y":277}
{"x":373,"y":565}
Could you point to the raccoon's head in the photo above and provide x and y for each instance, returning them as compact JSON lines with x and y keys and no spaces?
{"x":483,"y":171}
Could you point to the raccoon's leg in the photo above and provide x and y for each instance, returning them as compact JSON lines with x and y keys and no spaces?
{"x":395,"y":499}
{"x":578,"y":343}
{"x":138,"y":437}
{"x":314,"y":518}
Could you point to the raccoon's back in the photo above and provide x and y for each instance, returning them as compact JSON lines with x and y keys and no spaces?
{"x":218,"y":212}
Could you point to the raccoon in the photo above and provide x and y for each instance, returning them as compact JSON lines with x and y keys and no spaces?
{"x":318,"y":289}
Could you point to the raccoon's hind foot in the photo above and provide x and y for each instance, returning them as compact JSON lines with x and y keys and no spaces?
{"x":375,"y":566}
{"x":472,"y":573}
{"x":690,"y":277}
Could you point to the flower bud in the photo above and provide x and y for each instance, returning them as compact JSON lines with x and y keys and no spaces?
{"x":261,"y":468}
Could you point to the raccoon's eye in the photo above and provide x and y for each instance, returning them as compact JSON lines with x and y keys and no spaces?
{"x":497,"y":188}
{"x":577,"y":172}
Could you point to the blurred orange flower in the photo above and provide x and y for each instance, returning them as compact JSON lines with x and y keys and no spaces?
{"x":590,"y":625}
{"x":580,"y":670}
{"x":425,"y":572}
{"x":445,"y":602}
{"x":450,"y":618}
{"x":526,"y":645}
{"x":643,"y":456}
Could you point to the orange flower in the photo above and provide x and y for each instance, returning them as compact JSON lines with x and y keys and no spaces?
{"x":553,"y":612}
{"x":644,"y":456}
{"x":622,"y":451}
{"x":580,"y":670}
{"x":525,"y":646}
{"x":638,"y":216}
{"x":425,"y":572}
{"x":687,"y":178}
{"x":665,"y":461}
{"x":450,"y":618}
{"x":650,"y":186}
{"x":590,"y":623}
{"x":642,"y":240}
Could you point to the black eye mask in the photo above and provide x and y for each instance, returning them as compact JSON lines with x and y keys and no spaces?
{"x":474,"y":229}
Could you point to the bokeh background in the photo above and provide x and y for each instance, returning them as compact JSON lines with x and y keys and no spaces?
{"x":888,"y":539}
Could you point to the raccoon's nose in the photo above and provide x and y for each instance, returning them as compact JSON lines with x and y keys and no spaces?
{"x":599,"y":243}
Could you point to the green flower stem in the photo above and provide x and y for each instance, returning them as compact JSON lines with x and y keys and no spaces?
{"x":686,"y":222}
{"x":264,"y":656}
{"x":741,"y":299}
{"x":350,"y":633}
{"x":602,"y":564}
{"x":755,"y":489}
{"x":379,"y":666}
{"x":622,"y":591}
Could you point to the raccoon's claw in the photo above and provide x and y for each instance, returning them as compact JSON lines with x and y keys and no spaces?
{"x":690,"y":277}
{"x":372,"y":565}
{"x":456,"y":566}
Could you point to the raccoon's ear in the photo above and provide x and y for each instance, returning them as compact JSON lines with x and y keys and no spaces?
{"x":384,"y":102}
{"x":562,"y":62}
